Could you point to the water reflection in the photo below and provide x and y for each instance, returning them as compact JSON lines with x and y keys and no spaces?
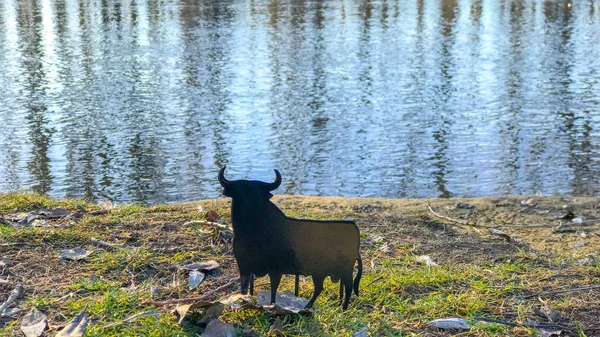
{"x":143,"y":100}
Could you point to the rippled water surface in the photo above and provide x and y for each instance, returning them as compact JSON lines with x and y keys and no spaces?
{"x":143,"y":100}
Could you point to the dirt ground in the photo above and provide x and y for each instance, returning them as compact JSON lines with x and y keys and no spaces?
{"x":517,"y":253}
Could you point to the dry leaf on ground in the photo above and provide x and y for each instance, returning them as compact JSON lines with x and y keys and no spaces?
{"x":450,"y":323}
{"x":74,"y":254}
{"x":277,"y":328}
{"x":34,"y":323}
{"x":361,"y":333}
{"x":216,"y":328}
{"x":76,"y":327}
{"x":202,"y":266}
{"x":425,"y":259}
{"x":195,"y":278}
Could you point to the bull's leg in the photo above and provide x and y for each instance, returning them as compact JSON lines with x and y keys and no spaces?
{"x":297,"y":284}
{"x":341,"y":289}
{"x":251,"y":284}
{"x":348,"y":284}
{"x":244,"y":281}
{"x":318,"y":282}
{"x":275,"y":279}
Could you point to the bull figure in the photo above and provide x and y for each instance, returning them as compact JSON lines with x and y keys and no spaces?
{"x":265,"y":241}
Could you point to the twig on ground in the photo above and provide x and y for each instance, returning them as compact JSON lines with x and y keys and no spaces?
{"x":106,"y":244}
{"x":208,"y":223}
{"x":585,"y":223}
{"x":562,"y":291}
{"x":13,"y":297}
{"x":374,"y":280}
{"x":527,"y":325}
{"x":446,"y":218}
{"x":193,"y":299}
{"x":133,"y":318}
{"x":555,"y":276}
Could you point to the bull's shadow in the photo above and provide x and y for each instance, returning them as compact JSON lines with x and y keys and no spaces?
{"x":266,"y":242}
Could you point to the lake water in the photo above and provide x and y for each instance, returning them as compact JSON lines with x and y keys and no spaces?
{"x":143,"y":100}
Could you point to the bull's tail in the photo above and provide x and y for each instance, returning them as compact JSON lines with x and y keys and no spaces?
{"x":358,"y":275}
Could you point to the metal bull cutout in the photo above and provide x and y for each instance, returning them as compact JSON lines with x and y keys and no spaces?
{"x":266,"y":242}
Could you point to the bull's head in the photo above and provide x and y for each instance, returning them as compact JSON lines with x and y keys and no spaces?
{"x":248,"y":188}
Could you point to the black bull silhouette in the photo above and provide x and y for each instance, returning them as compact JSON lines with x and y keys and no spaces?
{"x":266,"y":241}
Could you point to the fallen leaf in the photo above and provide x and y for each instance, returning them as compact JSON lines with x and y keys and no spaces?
{"x":14,"y":294}
{"x":235,"y":300}
{"x":577,"y":244}
{"x":181,"y":311}
{"x":216,"y":328}
{"x":426,"y":260}
{"x":59,"y":212}
{"x":11,"y":312}
{"x":567,"y":216}
{"x":4,"y":262}
{"x":378,"y":238}
{"x":107,"y":205}
{"x":387,"y":248}
{"x":202,"y":266}
{"x":16,"y":217}
{"x":285,"y":303}
{"x":500,"y":233}
{"x":548,"y":313}
{"x":450,"y":323}
{"x":361,"y":333}
{"x":212,"y":312}
{"x":528,"y":202}
{"x":212,"y":216}
{"x":66,"y":297}
{"x":34,"y":324}
{"x":277,"y":328}
{"x":40,"y":223}
{"x":195,"y":278}
{"x":76,"y":327}
{"x":27,"y":220}
{"x":74,"y":254}
{"x":548,"y":333}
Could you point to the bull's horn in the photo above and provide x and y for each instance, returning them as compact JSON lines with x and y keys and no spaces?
{"x":224,"y":182}
{"x":276,"y":183}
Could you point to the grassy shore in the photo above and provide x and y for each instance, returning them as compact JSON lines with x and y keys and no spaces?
{"x":478,"y":274}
